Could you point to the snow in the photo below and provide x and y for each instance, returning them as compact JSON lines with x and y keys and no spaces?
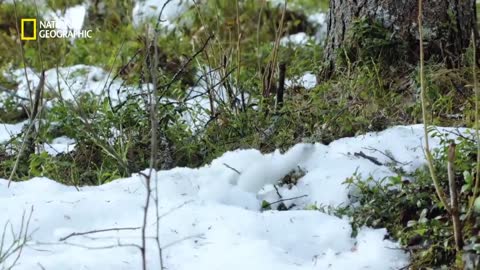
{"x":308,"y":81}
{"x":198,"y":106}
{"x":204,"y":235}
{"x":150,"y":9}
{"x":72,"y":19}
{"x":295,"y":39}
{"x":211,"y":216}
{"x":269,"y":171}
{"x":68,"y":83}
{"x":198,"y":102}
{"x":319,"y":20}
{"x":7,"y":131}
{"x":59,"y":145}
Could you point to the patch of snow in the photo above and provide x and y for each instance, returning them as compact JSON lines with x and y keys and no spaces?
{"x":73,"y":18}
{"x":270,"y":170}
{"x":319,"y":20}
{"x":307,"y":81}
{"x":198,"y":101}
{"x":7,"y":131}
{"x":40,"y":3}
{"x":145,"y":10}
{"x":219,"y":225}
{"x":199,"y":235}
{"x":198,"y":105}
{"x":59,"y":145}
{"x":67,"y":83}
{"x":295,"y":39}
{"x":277,"y":2}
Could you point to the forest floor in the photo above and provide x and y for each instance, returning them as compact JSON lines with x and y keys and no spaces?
{"x":333,"y":177}
{"x":224,"y":206}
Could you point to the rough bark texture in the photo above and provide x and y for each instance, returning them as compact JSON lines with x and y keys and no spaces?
{"x":448,"y":25}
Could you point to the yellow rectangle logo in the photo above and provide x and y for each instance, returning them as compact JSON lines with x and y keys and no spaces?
{"x":22,"y":32}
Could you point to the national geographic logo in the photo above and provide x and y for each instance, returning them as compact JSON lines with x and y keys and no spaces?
{"x":32,"y":34}
{"x":50,"y":29}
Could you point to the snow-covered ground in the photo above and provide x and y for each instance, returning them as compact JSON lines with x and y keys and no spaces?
{"x":219,"y":224}
{"x":67,"y":83}
{"x":7,"y":131}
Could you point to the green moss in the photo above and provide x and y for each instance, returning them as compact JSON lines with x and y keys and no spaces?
{"x":369,"y":40}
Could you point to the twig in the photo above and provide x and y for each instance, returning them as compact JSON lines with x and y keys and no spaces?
{"x":152,"y":71}
{"x":387,"y":154}
{"x":231,"y":168}
{"x":438,"y":188}
{"x":159,"y":19}
{"x":270,"y":70}
{"x":19,"y":241}
{"x":26,"y":136}
{"x":173,"y":209}
{"x":372,"y":159}
{"x":22,"y":52}
{"x":477,"y":132}
{"x":281,"y":85}
{"x":277,"y":191}
{"x":97,"y":231}
{"x":457,"y":226}
{"x":284,"y":200}
{"x":11,"y":93}
{"x":200,"y":235}
{"x":460,"y":135}
{"x":119,"y":244}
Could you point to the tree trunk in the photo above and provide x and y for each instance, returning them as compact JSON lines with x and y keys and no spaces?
{"x":448,"y":26}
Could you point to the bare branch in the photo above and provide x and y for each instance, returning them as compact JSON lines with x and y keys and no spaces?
{"x":98,"y":231}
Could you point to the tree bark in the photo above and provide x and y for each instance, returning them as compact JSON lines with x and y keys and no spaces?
{"x":448,"y":26}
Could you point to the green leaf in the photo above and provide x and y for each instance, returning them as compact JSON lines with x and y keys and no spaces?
{"x":468,"y":178}
{"x":465,"y":189}
{"x":266,"y":205}
{"x":411,"y":223}
{"x":476,"y":205}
